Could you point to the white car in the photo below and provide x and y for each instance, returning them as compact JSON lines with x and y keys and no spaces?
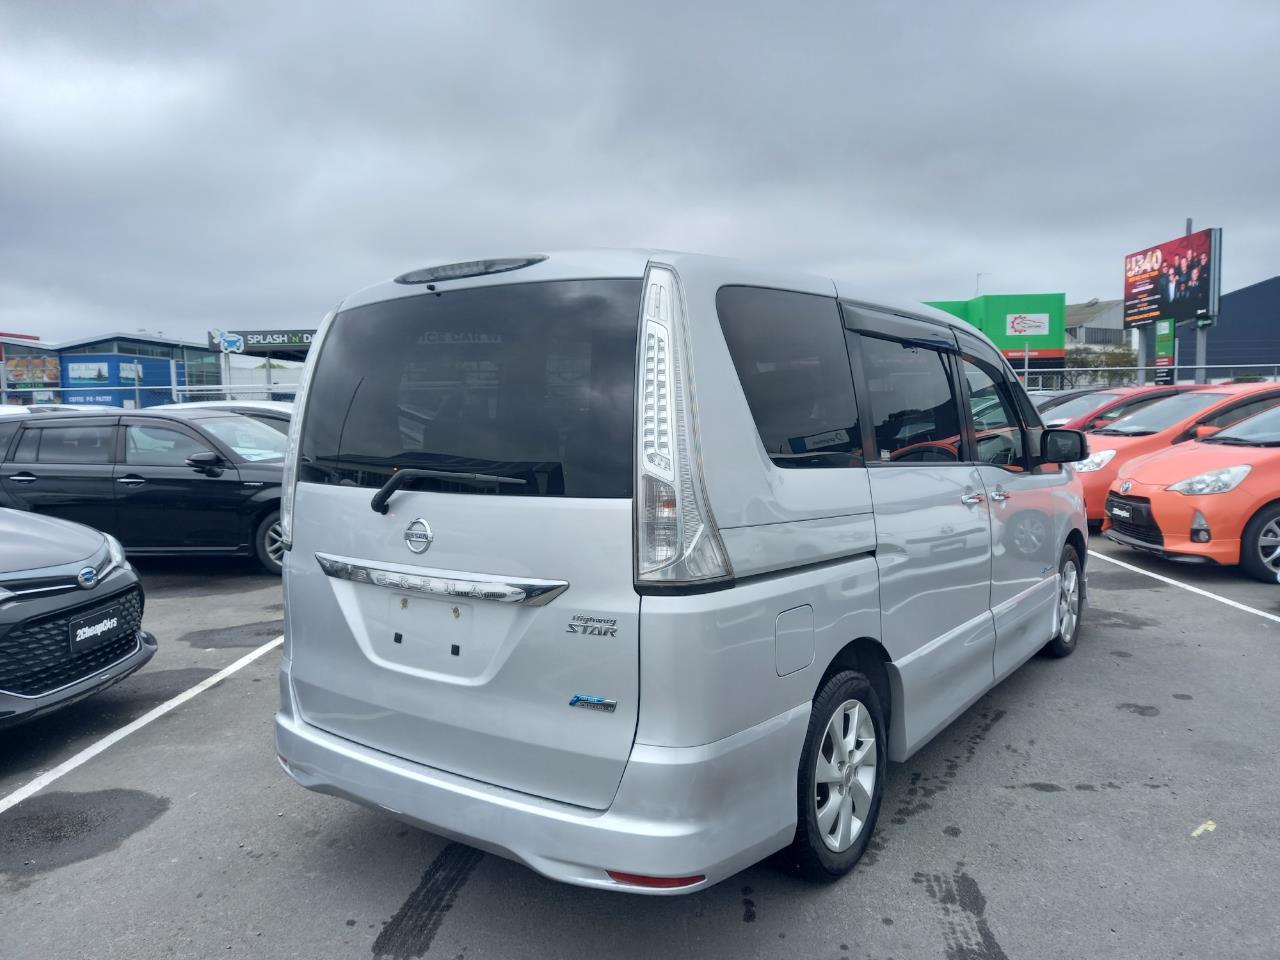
{"x":22,"y":409}
{"x":273,"y":413}
{"x":638,"y":567}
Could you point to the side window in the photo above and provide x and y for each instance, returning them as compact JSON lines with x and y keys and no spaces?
{"x":158,"y":446}
{"x":7,"y":432}
{"x":998,"y":433}
{"x":76,"y":444}
{"x":27,"y":446}
{"x":789,"y":351}
{"x":1225,"y":418}
{"x":1124,"y":409}
{"x":914,"y":411}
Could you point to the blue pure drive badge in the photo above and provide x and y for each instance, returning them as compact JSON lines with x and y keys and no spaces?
{"x":593,"y":626}
{"x":593,"y":703}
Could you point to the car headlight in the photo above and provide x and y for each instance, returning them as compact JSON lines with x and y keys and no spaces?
{"x":116,"y":552}
{"x":1095,"y":461}
{"x":1215,"y":481}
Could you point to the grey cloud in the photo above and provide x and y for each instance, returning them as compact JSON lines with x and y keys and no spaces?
{"x":181,"y":166}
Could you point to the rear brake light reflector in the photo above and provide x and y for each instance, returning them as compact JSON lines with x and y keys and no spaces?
{"x":655,"y":883}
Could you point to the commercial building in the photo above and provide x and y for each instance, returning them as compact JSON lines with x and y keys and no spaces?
{"x":118,"y":369}
{"x":1247,"y":331}
{"x":1029,"y":328}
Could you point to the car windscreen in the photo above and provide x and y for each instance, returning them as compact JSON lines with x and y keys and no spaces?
{"x":248,"y":438}
{"x":1163,"y":413}
{"x":532,"y":383}
{"x":1262,"y":429}
{"x":1076,"y":407}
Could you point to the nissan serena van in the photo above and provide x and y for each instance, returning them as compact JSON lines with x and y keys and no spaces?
{"x":638,"y":567}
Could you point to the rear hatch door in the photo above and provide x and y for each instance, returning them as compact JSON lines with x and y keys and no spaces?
{"x":486,"y":624}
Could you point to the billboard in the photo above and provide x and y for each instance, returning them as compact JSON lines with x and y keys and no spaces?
{"x":28,"y":372}
{"x":92,"y":372}
{"x":1176,"y":280}
{"x":259,"y":341}
{"x":1026,"y":324}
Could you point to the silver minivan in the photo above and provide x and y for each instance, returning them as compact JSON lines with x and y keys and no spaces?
{"x":638,"y":567}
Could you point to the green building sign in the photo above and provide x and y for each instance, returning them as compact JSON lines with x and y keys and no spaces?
{"x":1030,"y":325}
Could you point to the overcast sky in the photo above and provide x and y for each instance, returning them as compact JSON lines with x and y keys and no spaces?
{"x":179,"y":166}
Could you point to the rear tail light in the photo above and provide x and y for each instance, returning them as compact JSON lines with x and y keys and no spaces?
{"x":654,"y":883}
{"x":290,"y":479}
{"x":676,"y":537}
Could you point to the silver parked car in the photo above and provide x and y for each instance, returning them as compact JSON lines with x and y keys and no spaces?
{"x":638,"y":567}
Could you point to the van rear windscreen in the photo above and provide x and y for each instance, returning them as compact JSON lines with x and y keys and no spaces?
{"x":532,"y":383}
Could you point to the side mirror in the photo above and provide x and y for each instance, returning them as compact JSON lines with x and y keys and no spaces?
{"x":1062,"y":446}
{"x":206,"y":461}
{"x":1203,"y":430}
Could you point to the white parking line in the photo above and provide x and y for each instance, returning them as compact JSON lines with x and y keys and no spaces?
{"x":1188,"y":587}
{"x":88,"y":753}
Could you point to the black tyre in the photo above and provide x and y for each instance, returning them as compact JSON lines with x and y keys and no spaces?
{"x":1260,"y":545}
{"x":269,"y":544}
{"x":841,"y":778}
{"x":1070,"y":603}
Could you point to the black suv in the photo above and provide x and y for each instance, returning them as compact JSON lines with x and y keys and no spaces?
{"x":177,"y":482}
{"x":70,"y":615}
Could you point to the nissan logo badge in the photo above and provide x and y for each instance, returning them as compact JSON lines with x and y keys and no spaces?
{"x":418,"y":536}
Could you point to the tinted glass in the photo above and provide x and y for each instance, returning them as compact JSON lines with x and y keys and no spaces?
{"x":275,"y":423}
{"x":1164,"y":413}
{"x":158,"y":446}
{"x":1260,"y":428}
{"x":76,"y":444}
{"x":249,"y":439}
{"x":789,"y":351}
{"x":529,"y":381}
{"x":914,"y":411}
{"x":7,"y":432}
{"x":1128,"y":407}
{"x":1225,"y":418}
{"x":998,"y":433}
{"x":1076,"y":407}
{"x":27,"y":446}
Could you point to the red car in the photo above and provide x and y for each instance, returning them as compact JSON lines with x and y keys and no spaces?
{"x":1092,"y":411}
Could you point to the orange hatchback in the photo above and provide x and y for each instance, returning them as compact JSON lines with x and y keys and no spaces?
{"x":1215,"y":499}
{"x":1186,"y":416}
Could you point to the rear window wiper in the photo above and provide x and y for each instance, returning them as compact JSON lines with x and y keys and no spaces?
{"x":379,"y":502}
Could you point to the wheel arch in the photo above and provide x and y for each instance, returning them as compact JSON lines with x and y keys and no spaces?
{"x":1076,"y":539}
{"x":1273,"y":502}
{"x":870,"y":658}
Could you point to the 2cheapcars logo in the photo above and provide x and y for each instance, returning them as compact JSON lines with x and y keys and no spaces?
{"x":593,"y":626}
{"x":96,"y":629}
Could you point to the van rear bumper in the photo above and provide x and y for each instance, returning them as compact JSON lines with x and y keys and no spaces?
{"x":704,"y":811}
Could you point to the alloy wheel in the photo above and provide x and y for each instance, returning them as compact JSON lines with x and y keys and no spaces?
{"x":1269,"y":545}
{"x":845,"y":775}
{"x":273,"y":541}
{"x":1069,"y":602}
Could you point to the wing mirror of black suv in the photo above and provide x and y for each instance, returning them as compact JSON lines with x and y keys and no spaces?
{"x":206,"y":461}
{"x":1062,"y":446}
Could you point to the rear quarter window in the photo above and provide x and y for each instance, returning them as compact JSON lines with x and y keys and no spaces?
{"x":531,"y":382}
{"x":790,"y":355}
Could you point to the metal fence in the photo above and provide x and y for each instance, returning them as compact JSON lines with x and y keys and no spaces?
{"x":142,"y":395}
{"x":1077,"y":377}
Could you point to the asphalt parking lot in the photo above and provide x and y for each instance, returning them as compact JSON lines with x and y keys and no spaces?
{"x":1115,"y":804}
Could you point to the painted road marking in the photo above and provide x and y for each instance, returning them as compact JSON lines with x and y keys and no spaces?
{"x":1207,"y":827}
{"x":1188,"y":587}
{"x":88,"y":753}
